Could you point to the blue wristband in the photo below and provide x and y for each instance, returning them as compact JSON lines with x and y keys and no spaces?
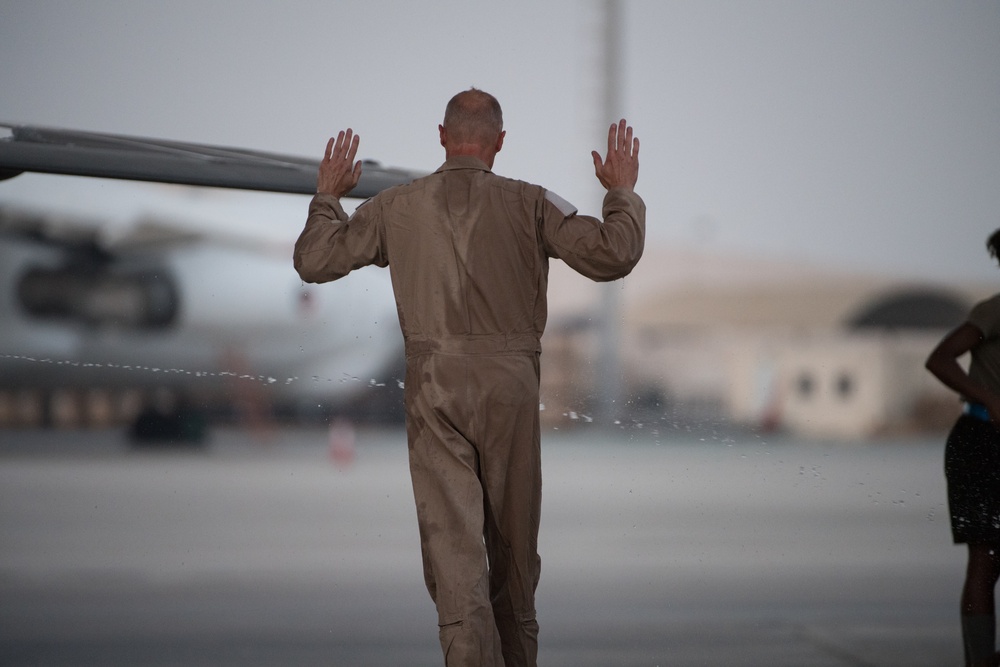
{"x":977,"y":410}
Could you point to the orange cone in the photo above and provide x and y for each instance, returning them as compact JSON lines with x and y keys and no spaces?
{"x":341,"y":439}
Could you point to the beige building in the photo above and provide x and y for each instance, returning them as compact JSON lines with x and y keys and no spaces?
{"x":766,"y":345}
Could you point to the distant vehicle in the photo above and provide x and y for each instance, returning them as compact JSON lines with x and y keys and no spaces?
{"x":182,"y":295}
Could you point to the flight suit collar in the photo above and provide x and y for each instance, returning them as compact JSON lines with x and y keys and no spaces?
{"x":463,"y":162}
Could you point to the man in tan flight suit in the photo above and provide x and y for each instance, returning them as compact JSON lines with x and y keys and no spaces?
{"x":468,"y":255}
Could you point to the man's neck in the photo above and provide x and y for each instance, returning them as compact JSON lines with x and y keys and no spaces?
{"x":471,"y":150}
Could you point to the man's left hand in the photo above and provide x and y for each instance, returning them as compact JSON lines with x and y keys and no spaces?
{"x":338,"y":172}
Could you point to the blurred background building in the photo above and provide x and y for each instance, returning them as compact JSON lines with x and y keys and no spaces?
{"x":763,"y":344}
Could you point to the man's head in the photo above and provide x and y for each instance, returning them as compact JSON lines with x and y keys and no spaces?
{"x":473,"y":125}
{"x":993,"y":245}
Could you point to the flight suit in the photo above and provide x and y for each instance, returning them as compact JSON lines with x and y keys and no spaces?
{"x":468,"y":255}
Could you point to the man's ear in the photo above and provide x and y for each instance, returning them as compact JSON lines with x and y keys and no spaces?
{"x":444,"y":135}
{"x":503,"y":133}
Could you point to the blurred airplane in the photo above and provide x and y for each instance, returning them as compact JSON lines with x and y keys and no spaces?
{"x":188,"y":287}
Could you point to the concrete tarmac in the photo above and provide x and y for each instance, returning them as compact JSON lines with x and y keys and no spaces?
{"x":659,"y":547}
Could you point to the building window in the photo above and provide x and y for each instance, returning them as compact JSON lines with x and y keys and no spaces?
{"x":845,"y":386}
{"x":805,"y":385}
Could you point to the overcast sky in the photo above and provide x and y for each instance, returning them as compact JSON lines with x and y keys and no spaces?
{"x":857,"y":133}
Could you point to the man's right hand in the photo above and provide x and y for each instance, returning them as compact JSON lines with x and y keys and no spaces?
{"x":338,"y":172}
{"x":620,"y":169}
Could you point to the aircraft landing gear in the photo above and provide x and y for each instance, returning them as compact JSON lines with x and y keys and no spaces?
{"x":169,"y":420}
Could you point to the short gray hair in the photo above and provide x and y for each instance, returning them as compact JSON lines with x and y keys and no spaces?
{"x":473,"y":116}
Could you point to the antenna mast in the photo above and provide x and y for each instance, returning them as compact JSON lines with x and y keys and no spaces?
{"x":608,"y":388}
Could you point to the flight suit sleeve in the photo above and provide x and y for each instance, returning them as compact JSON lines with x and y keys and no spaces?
{"x":600,"y":251}
{"x":332,"y":244}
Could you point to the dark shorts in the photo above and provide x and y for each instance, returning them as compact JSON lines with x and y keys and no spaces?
{"x":972,"y":468}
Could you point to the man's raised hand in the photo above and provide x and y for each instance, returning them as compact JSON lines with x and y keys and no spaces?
{"x":338,"y":172}
{"x":620,"y":169}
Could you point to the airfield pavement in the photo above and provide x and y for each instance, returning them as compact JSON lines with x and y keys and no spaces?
{"x":660,"y":547}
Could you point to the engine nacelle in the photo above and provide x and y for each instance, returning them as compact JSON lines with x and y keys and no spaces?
{"x":132,"y":300}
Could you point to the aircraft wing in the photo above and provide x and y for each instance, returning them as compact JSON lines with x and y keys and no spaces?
{"x":108,"y":292}
{"x":71,"y":152}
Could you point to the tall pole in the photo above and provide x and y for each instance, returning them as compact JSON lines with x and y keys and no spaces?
{"x":610,"y":404}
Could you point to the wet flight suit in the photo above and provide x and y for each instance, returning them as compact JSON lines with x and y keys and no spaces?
{"x":468,"y":255}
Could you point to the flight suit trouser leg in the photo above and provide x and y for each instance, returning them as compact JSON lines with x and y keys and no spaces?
{"x":472,"y":426}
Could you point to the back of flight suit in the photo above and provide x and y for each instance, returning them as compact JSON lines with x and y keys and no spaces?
{"x":468,"y":255}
